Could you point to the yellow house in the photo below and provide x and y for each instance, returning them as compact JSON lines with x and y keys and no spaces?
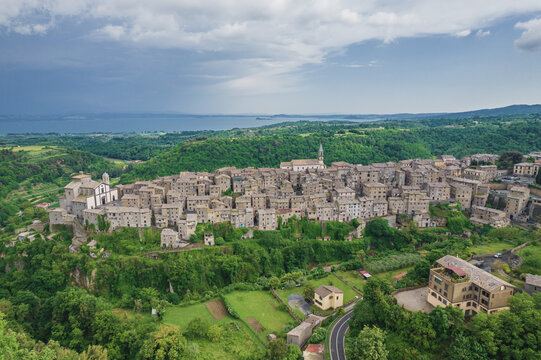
{"x":328,"y":297}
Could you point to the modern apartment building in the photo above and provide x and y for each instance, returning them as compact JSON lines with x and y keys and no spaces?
{"x":460,"y":284}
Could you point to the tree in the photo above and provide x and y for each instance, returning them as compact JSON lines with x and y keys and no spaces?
{"x":420,"y":271}
{"x":318,"y":336}
{"x":274,"y":282}
{"x":293,"y":353}
{"x":465,"y":348}
{"x":308,"y":291}
{"x":167,"y":343}
{"x":369,"y":345}
{"x":198,"y":328}
{"x":277,"y":349}
{"x":9,"y":345}
{"x":378,"y":228}
{"x":94,"y":352}
{"x":510,"y":158}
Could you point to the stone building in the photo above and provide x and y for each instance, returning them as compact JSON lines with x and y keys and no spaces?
{"x":120,"y":216}
{"x":487,"y":216}
{"x":169,"y":238}
{"x":84,"y":193}
{"x":532,"y":284}
{"x":266,"y":219}
{"x":526,"y":169}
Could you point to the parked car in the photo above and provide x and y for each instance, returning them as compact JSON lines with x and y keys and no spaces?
{"x":498,"y":255}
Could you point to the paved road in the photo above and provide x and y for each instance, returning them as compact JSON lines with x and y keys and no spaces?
{"x":338,"y":334}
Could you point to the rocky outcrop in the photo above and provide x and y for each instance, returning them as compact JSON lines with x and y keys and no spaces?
{"x":81,"y":279}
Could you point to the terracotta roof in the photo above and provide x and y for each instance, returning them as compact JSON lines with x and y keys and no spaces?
{"x":365,"y":273}
{"x":456,"y":270}
{"x":315,"y":348}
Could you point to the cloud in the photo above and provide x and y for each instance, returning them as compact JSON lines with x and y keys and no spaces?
{"x":371,"y":63}
{"x":266,"y":43}
{"x":463,"y":33}
{"x":530,"y":40}
{"x":482,"y":33}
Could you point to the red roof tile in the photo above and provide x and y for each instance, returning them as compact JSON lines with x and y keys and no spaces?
{"x":316,"y":348}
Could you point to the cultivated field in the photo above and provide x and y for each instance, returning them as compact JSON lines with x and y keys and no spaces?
{"x":217,"y":309}
{"x":262,"y":307}
{"x":354,"y":279}
{"x":238,"y":342}
{"x":181,"y":315}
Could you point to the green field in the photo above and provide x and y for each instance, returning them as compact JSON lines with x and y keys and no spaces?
{"x":32,"y":150}
{"x":531,"y":256}
{"x":181,"y":315}
{"x":354,"y":279}
{"x":238,"y":342}
{"x":263,"y":307}
{"x":491,"y":248}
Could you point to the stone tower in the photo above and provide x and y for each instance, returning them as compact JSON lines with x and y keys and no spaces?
{"x":105,"y":178}
{"x":320,"y":153}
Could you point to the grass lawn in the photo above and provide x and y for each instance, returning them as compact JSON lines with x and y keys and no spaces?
{"x":491,"y":248}
{"x":349,"y":293}
{"x":263,"y":307}
{"x":181,"y":315}
{"x":353,"y":277}
{"x":32,"y":150}
{"x":237,"y":342}
{"x":531,"y":255}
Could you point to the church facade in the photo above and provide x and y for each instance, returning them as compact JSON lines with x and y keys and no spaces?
{"x":83,"y":193}
{"x":305,"y":164}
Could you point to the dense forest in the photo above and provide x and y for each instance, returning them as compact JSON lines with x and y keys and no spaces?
{"x":357,"y":146}
{"x":45,"y":299}
{"x":381,"y":329}
{"x":60,"y":305}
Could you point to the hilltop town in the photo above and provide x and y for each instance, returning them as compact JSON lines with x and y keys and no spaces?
{"x":261,"y":198}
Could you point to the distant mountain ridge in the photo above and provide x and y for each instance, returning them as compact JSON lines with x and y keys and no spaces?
{"x":507,"y":110}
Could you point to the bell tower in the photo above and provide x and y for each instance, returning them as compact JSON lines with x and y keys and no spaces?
{"x":105,"y":178}
{"x":320,"y":153}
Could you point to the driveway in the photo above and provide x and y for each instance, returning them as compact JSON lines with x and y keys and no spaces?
{"x":297,"y":301}
{"x":485,"y":262}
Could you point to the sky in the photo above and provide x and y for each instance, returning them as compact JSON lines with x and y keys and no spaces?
{"x":272,"y":56}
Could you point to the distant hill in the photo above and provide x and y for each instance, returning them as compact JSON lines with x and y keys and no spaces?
{"x":507,"y":110}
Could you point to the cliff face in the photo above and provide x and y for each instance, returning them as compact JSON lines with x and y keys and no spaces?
{"x":82,"y":280}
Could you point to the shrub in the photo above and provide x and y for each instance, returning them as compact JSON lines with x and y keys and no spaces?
{"x":318,"y":336}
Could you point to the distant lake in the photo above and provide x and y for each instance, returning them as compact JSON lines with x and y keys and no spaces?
{"x":129,"y":123}
{"x":147,"y":122}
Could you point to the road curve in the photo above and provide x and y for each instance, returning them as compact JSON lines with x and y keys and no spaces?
{"x":338,"y":334}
